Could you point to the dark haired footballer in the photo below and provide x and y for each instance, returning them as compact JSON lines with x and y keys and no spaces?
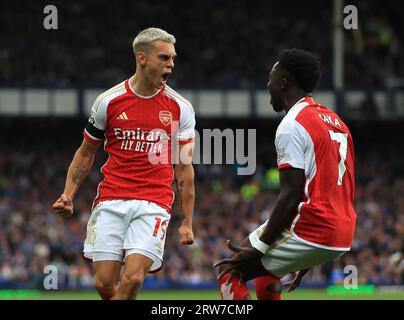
{"x":313,"y":220}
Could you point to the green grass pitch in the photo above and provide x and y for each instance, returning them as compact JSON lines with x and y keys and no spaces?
{"x":299,"y":294}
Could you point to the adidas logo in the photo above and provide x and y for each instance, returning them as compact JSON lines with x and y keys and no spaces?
{"x":123,"y":116}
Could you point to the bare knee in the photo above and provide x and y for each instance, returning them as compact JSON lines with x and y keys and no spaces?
{"x":133,"y":281}
{"x":105,"y":288}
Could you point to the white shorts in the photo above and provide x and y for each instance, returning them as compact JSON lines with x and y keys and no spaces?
{"x":118,"y":228}
{"x":289,"y":255}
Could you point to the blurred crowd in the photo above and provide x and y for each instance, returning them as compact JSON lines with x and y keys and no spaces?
{"x":227,"y":44}
{"x":32,"y":175}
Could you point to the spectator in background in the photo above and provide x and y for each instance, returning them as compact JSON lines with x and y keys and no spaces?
{"x":75,"y":54}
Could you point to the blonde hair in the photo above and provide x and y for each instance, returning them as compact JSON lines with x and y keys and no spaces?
{"x":147,"y":36}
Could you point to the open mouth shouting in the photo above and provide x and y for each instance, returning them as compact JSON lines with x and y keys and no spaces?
{"x":164,"y":77}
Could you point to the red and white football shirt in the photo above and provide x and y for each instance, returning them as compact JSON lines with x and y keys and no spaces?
{"x":314,"y":138}
{"x":140,"y":134}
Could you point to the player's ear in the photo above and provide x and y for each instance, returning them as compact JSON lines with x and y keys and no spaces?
{"x":141,"y":58}
{"x":284,"y":82}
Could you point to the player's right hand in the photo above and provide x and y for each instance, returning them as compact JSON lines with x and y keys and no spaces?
{"x":186,"y":235}
{"x":63,"y":205}
{"x":240,"y":261}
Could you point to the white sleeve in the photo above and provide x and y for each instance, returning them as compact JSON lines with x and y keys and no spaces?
{"x":97,"y":121}
{"x":290,"y":144}
{"x":187,"y":123}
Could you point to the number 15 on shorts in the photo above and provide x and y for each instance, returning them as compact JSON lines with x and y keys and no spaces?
{"x":160,"y":225}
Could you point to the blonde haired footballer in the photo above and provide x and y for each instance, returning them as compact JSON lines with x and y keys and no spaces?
{"x":138,"y":120}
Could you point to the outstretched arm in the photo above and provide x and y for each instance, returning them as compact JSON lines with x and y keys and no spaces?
{"x":184,"y":177}
{"x":79,"y":168}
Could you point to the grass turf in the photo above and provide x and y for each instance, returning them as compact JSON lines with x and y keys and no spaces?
{"x":299,"y":294}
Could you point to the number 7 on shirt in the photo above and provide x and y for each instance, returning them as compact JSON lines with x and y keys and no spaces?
{"x":342,"y":139}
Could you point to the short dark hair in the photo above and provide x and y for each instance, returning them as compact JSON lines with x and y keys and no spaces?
{"x":301,"y":65}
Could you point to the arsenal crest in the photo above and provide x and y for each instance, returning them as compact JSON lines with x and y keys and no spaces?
{"x":165,"y":117}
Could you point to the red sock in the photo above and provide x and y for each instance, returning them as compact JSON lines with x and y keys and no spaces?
{"x":232,"y":291}
{"x":268,"y":288}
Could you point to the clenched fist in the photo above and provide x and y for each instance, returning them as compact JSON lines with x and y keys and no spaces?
{"x":63,"y":205}
{"x":186,"y":235}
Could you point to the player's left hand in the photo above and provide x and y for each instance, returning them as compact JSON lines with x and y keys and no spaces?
{"x":186,"y":235}
{"x":296,"y":280}
{"x":242,"y":258}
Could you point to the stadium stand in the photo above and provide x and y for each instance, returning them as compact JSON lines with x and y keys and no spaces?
{"x":227,"y":207}
{"x":217,"y":48}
